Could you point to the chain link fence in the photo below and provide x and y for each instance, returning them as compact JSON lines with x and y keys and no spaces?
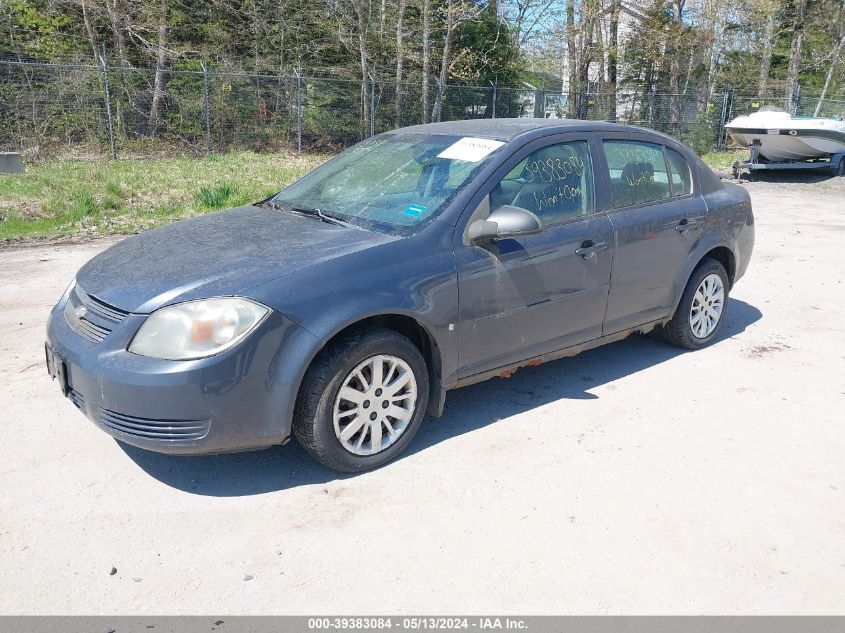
{"x":52,"y":108}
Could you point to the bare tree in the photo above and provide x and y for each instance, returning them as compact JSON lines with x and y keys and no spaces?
{"x":89,"y":28}
{"x":674,"y":62}
{"x":444,"y":60}
{"x":766,"y":49}
{"x":837,"y":51}
{"x":613,"y":55}
{"x":798,"y":9}
{"x":117,"y":13}
{"x":529,"y":16}
{"x":362,"y":18}
{"x":457,"y":12}
{"x":354,"y":32}
{"x":400,"y":58}
{"x":586,"y":53}
{"x":160,"y":78}
{"x":426,"y":57}
{"x":570,"y":57}
{"x":713,"y":19}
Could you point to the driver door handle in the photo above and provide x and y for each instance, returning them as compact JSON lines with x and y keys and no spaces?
{"x":589,"y":248}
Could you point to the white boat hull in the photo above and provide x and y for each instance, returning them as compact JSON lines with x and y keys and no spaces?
{"x":777,"y":148}
{"x":782,"y":138}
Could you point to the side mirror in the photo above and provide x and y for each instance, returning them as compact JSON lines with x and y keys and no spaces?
{"x":506,"y":221}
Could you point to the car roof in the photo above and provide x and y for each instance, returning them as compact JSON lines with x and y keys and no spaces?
{"x":509,"y":129}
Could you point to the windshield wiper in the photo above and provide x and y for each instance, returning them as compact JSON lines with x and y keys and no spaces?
{"x":316,"y":212}
{"x":312,"y":211}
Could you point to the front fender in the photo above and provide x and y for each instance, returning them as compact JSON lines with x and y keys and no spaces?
{"x":411,"y":278}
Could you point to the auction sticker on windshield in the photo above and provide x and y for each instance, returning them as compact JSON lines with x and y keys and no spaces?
{"x":470,"y":149}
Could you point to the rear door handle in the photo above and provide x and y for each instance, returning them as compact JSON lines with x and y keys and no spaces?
{"x":685,"y":225}
{"x":589,"y":248}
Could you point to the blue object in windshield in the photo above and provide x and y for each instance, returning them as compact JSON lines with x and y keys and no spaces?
{"x":414,"y":210}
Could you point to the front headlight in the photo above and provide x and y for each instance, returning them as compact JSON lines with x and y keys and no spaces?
{"x":196,"y":329}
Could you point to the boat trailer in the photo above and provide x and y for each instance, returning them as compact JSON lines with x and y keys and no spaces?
{"x":836,"y":163}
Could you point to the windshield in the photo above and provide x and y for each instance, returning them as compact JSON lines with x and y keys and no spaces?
{"x":392,"y":182}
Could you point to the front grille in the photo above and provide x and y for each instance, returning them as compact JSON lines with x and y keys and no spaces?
{"x":89,"y":317}
{"x":100,"y":308}
{"x":154,"y":429}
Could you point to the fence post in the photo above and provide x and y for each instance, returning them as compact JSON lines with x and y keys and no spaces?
{"x":107,"y":95}
{"x":298,"y":110}
{"x":720,"y":144}
{"x":206,"y":108}
{"x":495,"y":94}
{"x":372,"y":106}
{"x":538,"y":103}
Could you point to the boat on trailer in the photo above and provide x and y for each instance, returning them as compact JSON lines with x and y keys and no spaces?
{"x":778,"y":140}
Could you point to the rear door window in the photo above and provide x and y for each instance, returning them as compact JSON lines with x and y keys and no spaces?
{"x":638,"y":172}
{"x":681,"y":181}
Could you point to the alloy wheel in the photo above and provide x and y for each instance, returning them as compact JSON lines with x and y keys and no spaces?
{"x":375,"y":404}
{"x":707,"y":306}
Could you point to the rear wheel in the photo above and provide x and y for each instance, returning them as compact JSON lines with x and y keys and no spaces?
{"x":701,"y":312}
{"x":362,"y":400}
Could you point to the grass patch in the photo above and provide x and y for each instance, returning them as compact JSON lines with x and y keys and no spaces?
{"x":82,"y":205}
{"x":98,"y":197}
{"x":723,"y":161}
{"x":217,"y":197}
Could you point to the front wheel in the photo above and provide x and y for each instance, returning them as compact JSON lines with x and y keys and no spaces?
{"x":362,"y":400}
{"x":701,"y":311}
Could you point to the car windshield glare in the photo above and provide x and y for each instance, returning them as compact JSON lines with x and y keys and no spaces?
{"x":393,"y":182}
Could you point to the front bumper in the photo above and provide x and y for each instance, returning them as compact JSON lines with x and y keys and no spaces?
{"x":240,"y":399}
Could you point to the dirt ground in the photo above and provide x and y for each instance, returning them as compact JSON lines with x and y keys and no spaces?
{"x":633,"y":479}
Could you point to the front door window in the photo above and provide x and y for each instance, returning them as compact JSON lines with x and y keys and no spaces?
{"x":555,"y":182}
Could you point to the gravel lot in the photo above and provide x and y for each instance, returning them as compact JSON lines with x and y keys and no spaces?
{"x":630,"y":479}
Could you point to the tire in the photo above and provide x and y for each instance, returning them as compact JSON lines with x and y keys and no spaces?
{"x":840,"y":169}
{"x":323,"y":415}
{"x":687,"y":331}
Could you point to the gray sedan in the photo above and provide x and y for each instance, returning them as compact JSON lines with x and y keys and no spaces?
{"x":341,"y":310}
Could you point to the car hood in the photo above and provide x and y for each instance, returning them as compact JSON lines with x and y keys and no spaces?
{"x":219,"y":254}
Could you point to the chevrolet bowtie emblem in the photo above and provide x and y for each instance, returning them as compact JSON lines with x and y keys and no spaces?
{"x":80,"y":311}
